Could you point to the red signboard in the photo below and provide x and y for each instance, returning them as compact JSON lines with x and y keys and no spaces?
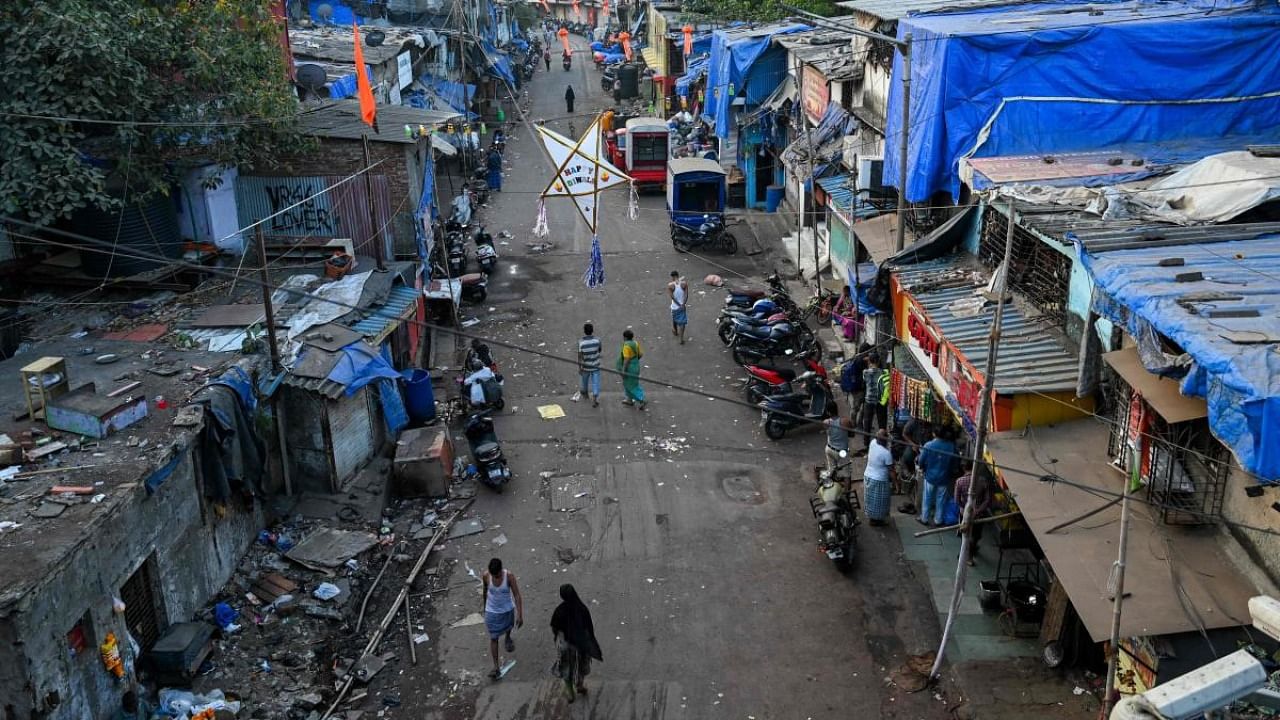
{"x":815,"y":93}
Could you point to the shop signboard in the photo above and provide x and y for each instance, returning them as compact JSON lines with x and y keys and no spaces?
{"x":815,"y":93}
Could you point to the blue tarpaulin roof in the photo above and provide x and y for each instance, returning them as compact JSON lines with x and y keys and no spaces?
{"x":733,"y":52}
{"x":388,"y":314}
{"x":1055,"y":77}
{"x":450,"y":91}
{"x":839,"y":188}
{"x":1237,"y":379}
{"x":694,"y":70}
{"x":359,"y":365}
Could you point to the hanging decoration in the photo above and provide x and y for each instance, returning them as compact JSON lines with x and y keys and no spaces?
{"x":540,"y":229}
{"x":625,"y":37}
{"x":564,"y":40}
{"x":577,"y":10}
{"x":546,"y":7}
{"x":688,"y":39}
{"x":605,"y":9}
{"x":582,"y":173}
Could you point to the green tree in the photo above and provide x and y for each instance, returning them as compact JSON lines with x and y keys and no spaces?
{"x":168,"y":85}
{"x":756,"y":10}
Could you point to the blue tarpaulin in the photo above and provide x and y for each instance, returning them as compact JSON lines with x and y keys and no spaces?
{"x":1055,"y":77}
{"x":733,"y":52}
{"x":359,"y":366}
{"x":497,"y":62}
{"x":345,"y":86}
{"x":693,"y":71}
{"x":451,"y":92}
{"x":1237,"y":379}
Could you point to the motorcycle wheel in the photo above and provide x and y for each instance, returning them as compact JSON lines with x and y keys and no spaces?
{"x":500,"y":404}
{"x":680,"y":244}
{"x":741,"y":358}
{"x":729,"y":243}
{"x":480,"y":295}
{"x":814,"y":352}
{"x":774,"y":428}
{"x":725,"y":331}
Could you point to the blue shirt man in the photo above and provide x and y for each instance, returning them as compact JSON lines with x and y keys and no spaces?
{"x":937,"y":458}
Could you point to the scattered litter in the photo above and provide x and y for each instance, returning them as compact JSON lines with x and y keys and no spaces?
{"x":671,"y":444}
{"x":420,"y":638}
{"x":368,"y":666}
{"x":1077,"y":690}
{"x":470,"y":322}
{"x":577,"y":395}
{"x":328,"y":548}
{"x":326,"y":591}
{"x":540,"y":246}
{"x":500,"y":540}
{"x":550,"y":412}
{"x":8,"y":525}
{"x":582,"y":494}
{"x":48,"y":510}
{"x":506,"y":668}
{"x":468,"y":621}
{"x":98,"y":498}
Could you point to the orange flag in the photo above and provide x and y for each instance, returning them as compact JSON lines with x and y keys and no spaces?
{"x":368,"y":108}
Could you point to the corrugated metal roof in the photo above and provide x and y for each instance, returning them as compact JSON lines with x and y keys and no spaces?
{"x":1033,"y":356}
{"x":897,"y":9}
{"x":341,"y":120}
{"x":386,"y":317}
{"x":1096,"y":234}
{"x":839,"y":189}
{"x":327,"y":388}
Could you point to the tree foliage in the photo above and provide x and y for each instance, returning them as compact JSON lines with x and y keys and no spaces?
{"x":169,"y":85}
{"x":756,"y":10}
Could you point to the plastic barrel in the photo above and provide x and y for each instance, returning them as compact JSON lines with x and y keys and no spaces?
{"x":629,"y":75}
{"x":419,"y":396}
{"x":773,"y":197}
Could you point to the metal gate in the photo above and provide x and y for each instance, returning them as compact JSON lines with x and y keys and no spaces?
{"x":141,"y":615}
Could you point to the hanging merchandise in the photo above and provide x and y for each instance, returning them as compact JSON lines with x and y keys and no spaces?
{"x":688,"y":40}
{"x":625,"y":37}
{"x":110,"y":651}
{"x":582,"y":173}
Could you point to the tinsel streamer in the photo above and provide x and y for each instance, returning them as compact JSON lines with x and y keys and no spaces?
{"x":594,"y":276}
{"x":540,"y":228}
{"x":633,"y":204}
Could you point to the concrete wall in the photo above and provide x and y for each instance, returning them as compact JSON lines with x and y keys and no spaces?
{"x":1260,"y":552}
{"x":195,"y":553}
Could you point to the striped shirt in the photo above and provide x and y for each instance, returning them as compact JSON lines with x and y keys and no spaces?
{"x":589,"y":350}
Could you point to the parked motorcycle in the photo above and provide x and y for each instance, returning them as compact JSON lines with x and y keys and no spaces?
{"x":743,"y":297}
{"x":752,"y":343}
{"x":710,"y":235}
{"x":457,"y":255}
{"x":816,"y":402}
{"x":486,"y":451}
{"x":765,"y":381}
{"x":491,"y":385}
{"x":762,"y":312}
{"x":835,"y":506}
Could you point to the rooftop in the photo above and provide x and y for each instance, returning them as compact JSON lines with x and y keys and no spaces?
{"x":341,"y":120}
{"x":54,"y":525}
{"x":1034,"y":356}
{"x":336,"y":43}
{"x":828,"y":51}
{"x":895,"y":9}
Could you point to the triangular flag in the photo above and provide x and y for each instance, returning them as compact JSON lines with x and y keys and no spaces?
{"x":581,"y":173}
{"x":368,"y":107}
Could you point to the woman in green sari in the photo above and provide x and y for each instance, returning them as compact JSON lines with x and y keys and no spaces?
{"x":629,"y":366}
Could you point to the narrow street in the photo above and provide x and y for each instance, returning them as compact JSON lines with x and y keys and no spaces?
{"x":693,"y":544}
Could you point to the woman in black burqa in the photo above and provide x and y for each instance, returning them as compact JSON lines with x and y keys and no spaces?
{"x":575,"y":642}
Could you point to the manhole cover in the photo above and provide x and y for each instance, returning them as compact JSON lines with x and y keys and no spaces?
{"x":743,"y":489}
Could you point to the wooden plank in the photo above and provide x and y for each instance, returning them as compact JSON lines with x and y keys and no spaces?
{"x":125,"y":388}
{"x":44,"y":450}
{"x":73,"y":489}
{"x":1055,"y":615}
{"x":282,"y":582}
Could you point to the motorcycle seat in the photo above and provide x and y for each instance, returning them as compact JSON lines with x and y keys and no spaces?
{"x":783,"y":397}
{"x":753,"y":293}
{"x":487,"y":448}
{"x":779,"y":331}
{"x":471,"y":278}
{"x":759,"y":332}
{"x":786,"y":374}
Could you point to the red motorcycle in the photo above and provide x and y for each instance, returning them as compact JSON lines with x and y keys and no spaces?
{"x":764,"y":381}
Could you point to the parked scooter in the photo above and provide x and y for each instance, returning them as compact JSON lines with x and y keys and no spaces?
{"x":815,"y":402}
{"x":710,"y":235}
{"x":490,"y":385}
{"x":835,"y":507}
{"x":764,"y":381}
{"x":457,"y":255}
{"x":486,"y":451}
{"x":475,"y":287}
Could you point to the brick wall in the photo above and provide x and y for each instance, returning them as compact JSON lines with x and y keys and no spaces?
{"x":402,"y":168}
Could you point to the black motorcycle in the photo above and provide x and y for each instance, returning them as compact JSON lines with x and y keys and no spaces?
{"x":566,"y":61}
{"x":486,"y":451}
{"x":815,"y":403}
{"x":745,"y":297}
{"x":835,"y":506}
{"x":752,"y":344}
{"x":457,"y":254}
{"x":486,"y":253}
{"x":710,"y":235}
{"x":475,"y":287}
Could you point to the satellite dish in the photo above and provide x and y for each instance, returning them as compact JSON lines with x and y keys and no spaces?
{"x":311,"y":77}
{"x":374,"y":38}
{"x":324,"y":11}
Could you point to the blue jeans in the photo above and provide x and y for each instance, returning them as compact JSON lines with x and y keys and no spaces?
{"x":934,"y":503}
{"x":590,"y":382}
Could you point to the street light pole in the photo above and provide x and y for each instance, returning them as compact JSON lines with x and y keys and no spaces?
{"x":900,"y":240}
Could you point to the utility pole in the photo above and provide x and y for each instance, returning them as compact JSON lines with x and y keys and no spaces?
{"x":808,"y":141}
{"x":979,"y":441}
{"x":1113,"y":651}
{"x":900,"y":240}
{"x":378,"y":238}
{"x":269,"y":311}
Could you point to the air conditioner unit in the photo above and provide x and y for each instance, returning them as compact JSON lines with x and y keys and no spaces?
{"x":870,"y":172}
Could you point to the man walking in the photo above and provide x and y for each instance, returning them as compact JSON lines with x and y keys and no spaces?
{"x":937,"y":458}
{"x":589,"y":364}
{"x":875,"y":406}
{"x":546,"y":57}
{"x":503,"y":609}
{"x":678,"y":290}
{"x":978,"y":482}
{"x":855,"y":390}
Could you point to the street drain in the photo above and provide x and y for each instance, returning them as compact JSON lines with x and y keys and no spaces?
{"x":742,"y":489}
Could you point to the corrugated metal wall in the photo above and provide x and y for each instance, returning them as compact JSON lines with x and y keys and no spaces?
{"x":351,"y":430}
{"x":765,"y":76}
{"x":342,"y":212}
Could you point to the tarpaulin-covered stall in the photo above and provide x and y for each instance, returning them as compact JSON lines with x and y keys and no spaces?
{"x":1054,"y":77}
{"x":1218,"y":304}
{"x":733,"y":53}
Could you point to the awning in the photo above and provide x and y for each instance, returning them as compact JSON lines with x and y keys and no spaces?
{"x":445,"y":147}
{"x":650,"y":55}
{"x":1161,"y":393}
{"x":878,"y":236}
{"x":941,"y":241}
{"x":1161,"y":557}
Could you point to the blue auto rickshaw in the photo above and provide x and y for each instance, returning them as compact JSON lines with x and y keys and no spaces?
{"x":695,"y":192}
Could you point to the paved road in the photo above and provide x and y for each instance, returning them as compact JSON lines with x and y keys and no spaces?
{"x":696,"y":558}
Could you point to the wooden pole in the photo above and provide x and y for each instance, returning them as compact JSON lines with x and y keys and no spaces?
{"x":900,"y":240}
{"x":1117,"y":603}
{"x":269,"y":311}
{"x":979,"y":521}
{"x":979,"y":440}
